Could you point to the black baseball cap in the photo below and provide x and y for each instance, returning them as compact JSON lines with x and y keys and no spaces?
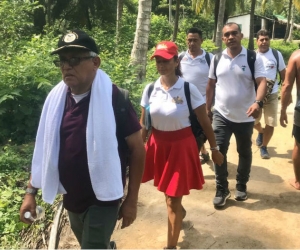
{"x":76,"y":39}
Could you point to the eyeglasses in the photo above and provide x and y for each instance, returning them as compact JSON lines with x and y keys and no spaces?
{"x":233,"y":33}
{"x":73,"y":61}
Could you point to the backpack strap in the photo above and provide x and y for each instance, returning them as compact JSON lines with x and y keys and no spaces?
{"x":150,"y":89}
{"x":216,"y":61}
{"x":188,"y":96}
{"x":275,"y":54}
{"x":207,"y":58}
{"x":251,"y":57}
{"x":121,"y":108}
{"x":181,"y":55}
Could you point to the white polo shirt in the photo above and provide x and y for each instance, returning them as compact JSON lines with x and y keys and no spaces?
{"x":168,"y":108}
{"x":270,"y":64}
{"x":235,"y":89}
{"x":195,"y":70}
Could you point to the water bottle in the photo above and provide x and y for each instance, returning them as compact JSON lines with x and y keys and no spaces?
{"x":40,"y":213}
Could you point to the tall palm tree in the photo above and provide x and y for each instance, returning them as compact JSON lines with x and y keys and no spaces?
{"x":120,"y":4}
{"x":290,"y":38}
{"x":288,"y":25}
{"x":251,"y":35}
{"x":176,"y":21}
{"x":218,"y":42}
{"x":140,"y":45}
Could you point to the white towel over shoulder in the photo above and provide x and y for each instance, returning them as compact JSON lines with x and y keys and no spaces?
{"x":102,"y":146}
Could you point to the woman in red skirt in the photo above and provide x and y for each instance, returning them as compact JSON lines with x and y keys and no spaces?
{"x":172,"y":158}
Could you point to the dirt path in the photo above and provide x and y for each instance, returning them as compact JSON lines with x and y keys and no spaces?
{"x":268,"y":219}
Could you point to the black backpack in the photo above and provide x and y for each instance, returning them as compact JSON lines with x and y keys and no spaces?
{"x":251,"y":57}
{"x":207,"y":57}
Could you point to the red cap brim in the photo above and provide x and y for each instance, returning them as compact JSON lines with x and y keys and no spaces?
{"x":162,"y":53}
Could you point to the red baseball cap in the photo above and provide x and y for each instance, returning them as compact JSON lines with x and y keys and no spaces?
{"x":165,"y":49}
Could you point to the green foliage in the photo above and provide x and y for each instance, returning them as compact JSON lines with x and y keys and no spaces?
{"x":296,"y":34}
{"x":160,"y":30}
{"x":14,"y":162}
{"x":16,"y":24}
{"x":26,"y":76}
{"x":14,"y":175}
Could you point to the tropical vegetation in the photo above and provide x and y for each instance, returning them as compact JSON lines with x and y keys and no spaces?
{"x":126,"y":32}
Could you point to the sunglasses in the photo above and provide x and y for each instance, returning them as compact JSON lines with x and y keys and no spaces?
{"x":233,"y":33}
{"x":73,"y":61}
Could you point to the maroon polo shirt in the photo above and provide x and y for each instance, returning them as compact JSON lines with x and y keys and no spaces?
{"x":73,"y":166}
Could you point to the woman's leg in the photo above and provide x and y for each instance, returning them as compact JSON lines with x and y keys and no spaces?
{"x":175,"y":217}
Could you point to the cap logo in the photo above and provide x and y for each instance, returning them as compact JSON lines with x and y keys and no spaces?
{"x":70,"y":37}
{"x":162,"y":46}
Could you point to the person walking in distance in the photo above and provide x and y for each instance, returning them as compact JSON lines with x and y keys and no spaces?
{"x":292,"y":75}
{"x":237,"y":104}
{"x":195,"y":64}
{"x":273,"y":62}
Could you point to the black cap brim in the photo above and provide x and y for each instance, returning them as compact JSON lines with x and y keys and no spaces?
{"x":68,"y":46}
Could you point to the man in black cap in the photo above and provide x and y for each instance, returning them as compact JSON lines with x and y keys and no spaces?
{"x":79,"y":150}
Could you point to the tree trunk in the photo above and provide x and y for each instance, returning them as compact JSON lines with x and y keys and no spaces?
{"x":251,"y":30}
{"x":290,"y":38}
{"x":120,"y":4}
{"x":48,"y":11}
{"x":217,"y":4}
{"x":88,"y":20}
{"x":288,"y":22}
{"x":176,"y":21}
{"x":39,"y":19}
{"x":170,"y":11}
{"x":273,"y":30}
{"x":140,"y":46}
{"x":220,"y":25}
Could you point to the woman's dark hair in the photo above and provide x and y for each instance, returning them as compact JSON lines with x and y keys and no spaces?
{"x":178,"y":68}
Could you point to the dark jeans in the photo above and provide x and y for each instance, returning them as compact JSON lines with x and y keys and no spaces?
{"x":223,"y":130}
{"x":94,"y":227}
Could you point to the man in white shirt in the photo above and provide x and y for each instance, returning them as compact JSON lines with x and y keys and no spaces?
{"x":271,"y":104}
{"x":237,"y":104}
{"x":195,"y":64}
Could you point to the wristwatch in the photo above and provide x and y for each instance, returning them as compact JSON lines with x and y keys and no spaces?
{"x":260,"y":103}
{"x":217,"y":148}
{"x":31,"y":191}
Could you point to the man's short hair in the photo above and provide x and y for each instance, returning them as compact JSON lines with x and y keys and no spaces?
{"x":233,"y":23}
{"x":194,"y":30}
{"x":262,"y":32}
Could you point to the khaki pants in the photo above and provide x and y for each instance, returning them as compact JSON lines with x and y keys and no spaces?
{"x":270,"y":111}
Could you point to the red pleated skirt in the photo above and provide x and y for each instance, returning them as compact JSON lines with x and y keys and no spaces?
{"x":172,"y":160}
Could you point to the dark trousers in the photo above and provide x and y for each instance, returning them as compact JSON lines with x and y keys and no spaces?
{"x":223,"y":130}
{"x":94,"y":227}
